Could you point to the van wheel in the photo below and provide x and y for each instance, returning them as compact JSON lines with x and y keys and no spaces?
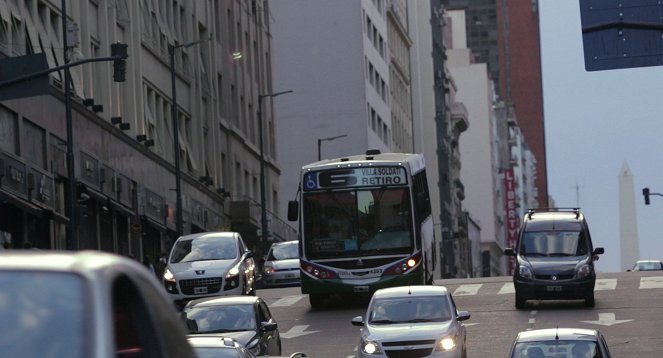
{"x":520,"y":301}
{"x":589,"y":300}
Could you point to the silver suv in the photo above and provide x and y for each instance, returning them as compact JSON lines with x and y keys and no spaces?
{"x":209,"y":264}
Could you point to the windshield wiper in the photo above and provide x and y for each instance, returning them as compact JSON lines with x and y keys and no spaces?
{"x":383,"y":321}
{"x":535,"y":254}
{"x":222,"y":330}
{"x":417,"y":320}
{"x":560,"y":254}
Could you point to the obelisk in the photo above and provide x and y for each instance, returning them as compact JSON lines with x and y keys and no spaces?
{"x":628,"y":228}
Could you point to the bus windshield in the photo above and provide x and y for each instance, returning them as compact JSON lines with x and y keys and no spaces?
{"x":355,"y":223}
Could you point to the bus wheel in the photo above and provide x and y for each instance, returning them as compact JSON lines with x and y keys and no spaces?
{"x":315,"y":300}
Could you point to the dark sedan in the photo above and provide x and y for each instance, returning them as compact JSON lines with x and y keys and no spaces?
{"x":246,"y":319}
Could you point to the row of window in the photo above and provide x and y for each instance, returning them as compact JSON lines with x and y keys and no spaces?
{"x":378,"y":126}
{"x":375,"y":37}
{"x":377,"y":82}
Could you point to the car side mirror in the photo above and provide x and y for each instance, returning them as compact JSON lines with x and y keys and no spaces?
{"x":509,"y":252}
{"x":269,"y":326}
{"x":163,"y":260}
{"x":463,"y":316}
{"x":628,"y":270}
{"x":598,"y":251}
{"x":358,"y":321}
{"x":249,"y":254}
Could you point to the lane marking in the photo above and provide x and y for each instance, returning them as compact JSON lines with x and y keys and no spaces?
{"x":467,"y":290}
{"x":297,"y":331}
{"x":286,"y":301}
{"x":603,"y":284}
{"x":608,"y":319}
{"x":651,"y":282}
{"x":507,"y":288}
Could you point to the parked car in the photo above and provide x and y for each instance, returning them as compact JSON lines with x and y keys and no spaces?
{"x":209,"y":264}
{"x":218,"y":347}
{"x":246,"y":319}
{"x":281,"y":266}
{"x":647,"y":265}
{"x":560,"y":342}
{"x":412,"y":321}
{"x":555,"y":257}
{"x":85,"y":304}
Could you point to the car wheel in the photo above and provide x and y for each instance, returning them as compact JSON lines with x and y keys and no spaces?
{"x":315,"y":300}
{"x":464,"y":354}
{"x":520,"y":301}
{"x":589,"y":300}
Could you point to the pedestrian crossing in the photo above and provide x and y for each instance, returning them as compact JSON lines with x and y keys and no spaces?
{"x":502,"y":288}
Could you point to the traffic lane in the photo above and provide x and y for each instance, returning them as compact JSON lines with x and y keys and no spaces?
{"x":494,"y":323}
{"x":628,"y":316}
{"x":325,"y":333}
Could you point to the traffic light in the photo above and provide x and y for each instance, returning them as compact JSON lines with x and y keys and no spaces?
{"x":645,"y":193}
{"x":119,"y":64}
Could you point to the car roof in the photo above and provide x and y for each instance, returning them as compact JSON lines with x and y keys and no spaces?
{"x":647,"y":261}
{"x":419,"y":290}
{"x":291,"y":242}
{"x":214,"y":234}
{"x":84,"y":262}
{"x":197,"y":340}
{"x":553,"y":219}
{"x":565,"y":334}
{"x":224,"y":300}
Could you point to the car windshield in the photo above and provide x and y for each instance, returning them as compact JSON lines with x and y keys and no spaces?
{"x":648,"y":266}
{"x":219,"y":319}
{"x":409,"y":310}
{"x":43,"y":314}
{"x":284,"y":252}
{"x":553,"y":243}
{"x":358,"y":222}
{"x":204,"y":248}
{"x":555,"y":348}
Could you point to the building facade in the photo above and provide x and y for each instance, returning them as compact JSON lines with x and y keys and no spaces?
{"x":123,"y":132}
{"x":505,"y":35}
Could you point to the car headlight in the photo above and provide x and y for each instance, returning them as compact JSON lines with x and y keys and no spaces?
{"x":446,"y":344}
{"x":584,"y":271}
{"x":253,"y":346}
{"x":233,"y":272}
{"x":370,"y":347}
{"x":524,"y":271}
{"x":168,"y":276}
{"x":269,"y":270}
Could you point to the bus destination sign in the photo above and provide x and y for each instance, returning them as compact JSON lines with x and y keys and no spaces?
{"x":354,"y":177}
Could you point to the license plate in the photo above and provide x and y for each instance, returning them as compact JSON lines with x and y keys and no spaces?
{"x":290,"y":276}
{"x":361,"y":288}
{"x":199,"y":290}
{"x":554,"y":288}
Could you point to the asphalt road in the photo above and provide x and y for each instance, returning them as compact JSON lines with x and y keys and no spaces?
{"x":628,"y":311}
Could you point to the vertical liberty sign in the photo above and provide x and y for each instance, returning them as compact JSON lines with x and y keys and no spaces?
{"x":512,"y":220}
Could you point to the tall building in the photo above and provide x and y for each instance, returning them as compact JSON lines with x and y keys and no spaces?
{"x":349,"y":73}
{"x":123,"y":139}
{"x":505,"y":35}
{"x":628,"y":227}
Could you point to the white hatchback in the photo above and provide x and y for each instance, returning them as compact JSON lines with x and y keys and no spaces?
{"x":209,"y":264}
{"x":413,"y":321}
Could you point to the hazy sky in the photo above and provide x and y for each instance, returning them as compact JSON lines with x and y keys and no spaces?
{"x":594,"y":122}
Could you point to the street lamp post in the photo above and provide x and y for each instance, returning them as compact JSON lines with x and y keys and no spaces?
{"x":263,"y":209}
{"x":179,"y":222}
{"x":320,"y":140}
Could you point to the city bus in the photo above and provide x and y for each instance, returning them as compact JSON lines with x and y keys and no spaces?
{"x":365,"y":223}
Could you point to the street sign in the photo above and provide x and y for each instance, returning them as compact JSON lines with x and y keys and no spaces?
{"x":14,"y":67}
{"x":621,"y":33}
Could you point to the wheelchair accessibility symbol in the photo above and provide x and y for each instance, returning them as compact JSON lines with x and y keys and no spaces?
{"x":310,"y":181}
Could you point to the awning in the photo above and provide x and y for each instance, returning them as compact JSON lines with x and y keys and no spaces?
{"x":23,"y":204}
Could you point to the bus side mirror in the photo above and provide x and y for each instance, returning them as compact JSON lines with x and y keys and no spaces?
{"x":293,"y":210}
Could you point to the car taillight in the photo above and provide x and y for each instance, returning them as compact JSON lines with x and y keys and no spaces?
{"x":317,"y":271}
{"x":403,"y":266}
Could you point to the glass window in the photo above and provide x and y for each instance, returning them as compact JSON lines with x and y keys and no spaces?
{"x":204,"y":248}
{"x":410,"y":309}
{"x":8,"y":131}
{"x":554,"y":243}
{"x":56,"y":320}
{"x":555,"y":348}
{"x":284,"y":251}
{"x":220,"y":319}
{"x":358,"y":222}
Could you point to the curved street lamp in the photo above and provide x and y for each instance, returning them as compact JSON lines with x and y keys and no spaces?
{"x":320,"y":140}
